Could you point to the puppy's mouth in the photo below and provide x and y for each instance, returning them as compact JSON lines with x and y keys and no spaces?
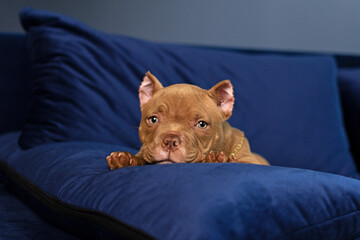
{"x":164,"y":157}
{"x":165,"y":161}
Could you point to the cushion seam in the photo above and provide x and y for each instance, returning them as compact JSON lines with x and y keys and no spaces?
{"x":103,"y":220}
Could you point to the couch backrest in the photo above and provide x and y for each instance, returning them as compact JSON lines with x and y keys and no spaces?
{"x":15,"y":86}
{"x":15,"y":90}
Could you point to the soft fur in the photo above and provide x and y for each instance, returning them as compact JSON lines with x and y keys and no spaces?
{"x":183,"y":123}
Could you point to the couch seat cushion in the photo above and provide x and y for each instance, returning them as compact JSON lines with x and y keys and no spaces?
{"x":180,"y":201}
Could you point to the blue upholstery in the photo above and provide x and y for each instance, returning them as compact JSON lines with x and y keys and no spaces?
{"x":17,"y":221}
{"x":84,"y":87}
{"x":193,"y":201}
{"x":349,"y":81}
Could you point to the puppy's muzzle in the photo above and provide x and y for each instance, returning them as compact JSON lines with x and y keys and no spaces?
{"x":171,"y":141}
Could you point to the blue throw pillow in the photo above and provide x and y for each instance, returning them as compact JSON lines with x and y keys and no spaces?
{"x":349,"y":83}
{"x":76,"y":191}
{"x":86,"y":88}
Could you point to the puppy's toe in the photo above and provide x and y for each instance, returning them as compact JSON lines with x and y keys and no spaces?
{"x":211,"y":157}
{"x":118,"y":160}
{"x":221,"y":157}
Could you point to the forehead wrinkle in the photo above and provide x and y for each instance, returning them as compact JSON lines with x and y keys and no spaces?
{"x":197,"y":115}
{"x":163,"y":108}
{"x":183,"y":101}
{"x":193,"y":105}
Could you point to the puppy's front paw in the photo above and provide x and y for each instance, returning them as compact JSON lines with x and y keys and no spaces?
{"x":120,"y":159}
{"x":214,"y":157}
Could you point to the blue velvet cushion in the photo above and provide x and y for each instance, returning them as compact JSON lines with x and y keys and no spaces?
{"x":86,"y":88}
{"x":349,"y":82}
{"x":187,"y":201}
{"x":17,"y":221}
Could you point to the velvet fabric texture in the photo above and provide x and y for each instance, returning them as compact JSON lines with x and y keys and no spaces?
{"x":192,"y":201}
{"x":349,"y":82}
{"x":17,"y":221}
{"x":85,"y":86}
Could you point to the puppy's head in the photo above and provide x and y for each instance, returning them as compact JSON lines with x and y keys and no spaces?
{"x":182,"y":123}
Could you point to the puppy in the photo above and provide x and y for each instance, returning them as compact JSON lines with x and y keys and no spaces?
{"x":183,"y":123}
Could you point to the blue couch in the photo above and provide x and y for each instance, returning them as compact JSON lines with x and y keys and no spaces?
{"x":68,"y":97}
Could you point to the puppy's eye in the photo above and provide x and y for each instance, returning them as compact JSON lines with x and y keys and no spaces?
{"x":153,"y":120}
{"x":202,"y":125}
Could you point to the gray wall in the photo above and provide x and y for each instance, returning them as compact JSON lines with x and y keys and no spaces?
{"x":301,"y":25}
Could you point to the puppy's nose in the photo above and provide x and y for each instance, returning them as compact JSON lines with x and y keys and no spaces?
{"x":171,"y":141}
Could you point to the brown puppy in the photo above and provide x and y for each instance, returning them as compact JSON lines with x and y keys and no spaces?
{"x":183,"y":123}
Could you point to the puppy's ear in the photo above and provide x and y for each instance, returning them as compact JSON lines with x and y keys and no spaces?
{"x":148,"y":87}
{"x":223,"y":94}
